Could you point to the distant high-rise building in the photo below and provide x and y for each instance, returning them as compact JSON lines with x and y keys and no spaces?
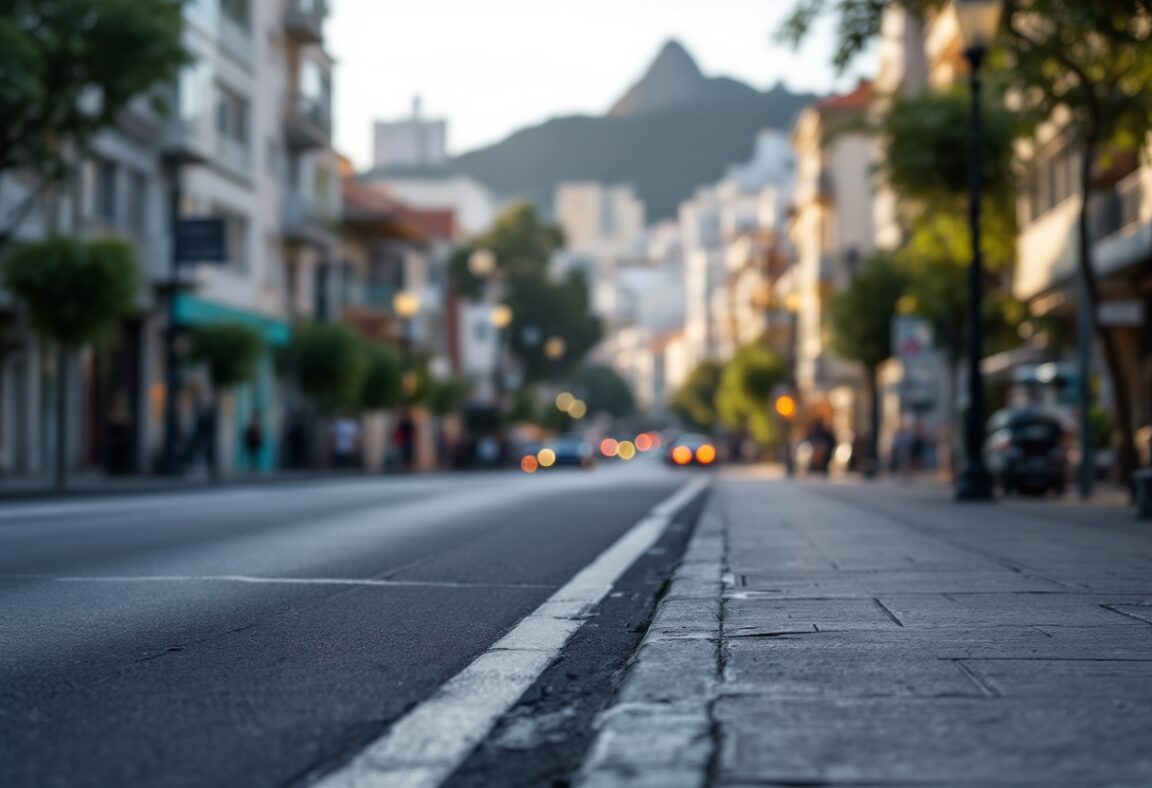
{"x":415,"y":142}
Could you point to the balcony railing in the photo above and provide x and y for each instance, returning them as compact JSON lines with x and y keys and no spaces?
{"x":233,"y":156}
{"x":308,"y":122}
{"x":307,"y":221}
{"x":304,"y":20}
{"x":1117,"y":208}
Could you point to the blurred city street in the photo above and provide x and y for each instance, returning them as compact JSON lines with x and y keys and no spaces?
{"x":250,"y":636}
{"x":815,"y":632}
{"x":663,"y":394}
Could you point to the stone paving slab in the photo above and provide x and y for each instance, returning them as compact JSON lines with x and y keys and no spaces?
{"x":961,"y":741}
{"x":876,"y":636}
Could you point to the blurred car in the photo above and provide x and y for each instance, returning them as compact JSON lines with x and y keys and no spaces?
{"x":569,"y":451}
{"x":1025,"y":450}
{"x":691,"y":449}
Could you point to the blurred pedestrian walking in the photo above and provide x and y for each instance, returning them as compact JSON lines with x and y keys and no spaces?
{"x":254,"y":441}
{"x":345,"y":441}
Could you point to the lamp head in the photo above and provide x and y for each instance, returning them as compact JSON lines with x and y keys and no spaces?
{"x":978,"y":20}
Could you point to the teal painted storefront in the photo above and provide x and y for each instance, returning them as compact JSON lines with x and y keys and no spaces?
{"x":260,"y":394}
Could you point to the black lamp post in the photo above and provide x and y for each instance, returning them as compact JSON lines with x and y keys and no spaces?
{"x":978,"y":21}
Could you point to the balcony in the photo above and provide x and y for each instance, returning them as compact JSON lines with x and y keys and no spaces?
{"x":308,"y":123}
{"x":304,"y":20}
{"x":307,"y":222}
{"x":1117,"y":209}
{"x":233,"y":156}
{"x":186,"y":142}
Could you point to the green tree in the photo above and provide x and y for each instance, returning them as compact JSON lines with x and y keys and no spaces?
{"x":1086,"y":63}
{"x":744,"y":397}
{"x":230,"y":351}
{"x":603,"y":390}
{"x":74,"y":291}
{"x":446,"y":396}
{"x":695,"y":400}
{"x":329,"y":364}
{"x":860,"y":320}
{"x":68,"y":69}
{"x":522,"y":245}
{"x":383,"y":378}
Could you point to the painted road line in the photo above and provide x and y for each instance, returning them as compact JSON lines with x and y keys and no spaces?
{"x":426,"y":745}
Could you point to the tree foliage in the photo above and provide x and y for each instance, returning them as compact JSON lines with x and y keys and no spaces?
{"x":68,"y":68}
{"x":695,"y":400}
{"x":329,"y":364}
{"x":925,"y":143}
{"x":74,"y":289}
{"x":446,"y":396}
{"x":604,"y":391}
{"x":229,"y":350}
{"x":383,"y":377}
{"x":542,"y":308}
{"x":744,"y":396}
{"x":860,"y":315}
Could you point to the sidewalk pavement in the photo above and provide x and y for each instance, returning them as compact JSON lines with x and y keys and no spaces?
{"x":824,"y":634}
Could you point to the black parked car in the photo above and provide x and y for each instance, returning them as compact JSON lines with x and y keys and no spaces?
{"x":1025,"y":450}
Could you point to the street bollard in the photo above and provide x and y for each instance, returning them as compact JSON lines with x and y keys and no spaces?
{"x":1143,"y":483}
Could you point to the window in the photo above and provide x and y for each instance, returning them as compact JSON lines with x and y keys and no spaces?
{"x":231,"y":115}
{"x":137,"y":203}
{"x":236,"y":237}
{"x":237,"y":12}
{"x":104,"y":195}
{"x":321,"y":185}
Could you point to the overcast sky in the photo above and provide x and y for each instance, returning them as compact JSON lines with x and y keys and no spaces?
{"x":493,"y":66}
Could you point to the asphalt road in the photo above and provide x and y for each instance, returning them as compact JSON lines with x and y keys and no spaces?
{"x":253,"y":636}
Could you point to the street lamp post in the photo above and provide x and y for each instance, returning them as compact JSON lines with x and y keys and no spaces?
{"x":978,"y":21}
{"x":407,"y":305}
{"x":501,"y":318}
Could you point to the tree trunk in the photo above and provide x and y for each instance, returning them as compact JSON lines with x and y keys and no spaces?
{"x":213,"y":453}
{"x":872,"y":467}
{"x":1126,"y":459}
{"x":61,"y":417}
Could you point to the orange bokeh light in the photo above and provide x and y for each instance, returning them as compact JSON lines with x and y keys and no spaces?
{"x":706,"y":454}
{"x":608,"y":447}
{"x":644,"y":442}
{"x":786,"y":406}
{"x":528,"y":464}
{"x":681,"y":455}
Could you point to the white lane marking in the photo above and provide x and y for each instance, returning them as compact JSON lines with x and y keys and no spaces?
{"x":426,"y":745}
{"x":313,"y":581}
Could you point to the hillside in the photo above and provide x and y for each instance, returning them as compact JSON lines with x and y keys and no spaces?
{"x":672,"y":131}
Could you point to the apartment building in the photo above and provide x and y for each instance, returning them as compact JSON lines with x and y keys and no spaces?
{"x":248,"y":140}
{"x":831,"y":231}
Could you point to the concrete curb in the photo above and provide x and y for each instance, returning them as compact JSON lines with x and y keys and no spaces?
{"x":658,"y":732}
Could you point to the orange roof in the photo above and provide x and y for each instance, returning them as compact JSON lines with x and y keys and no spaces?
{"x":372,"y":211}
{"x":438,"y":223}
{"x":859,"y":98}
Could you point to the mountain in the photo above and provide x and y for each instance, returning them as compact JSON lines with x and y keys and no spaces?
{"x":672,"y":131}
{"x":672,"y":79}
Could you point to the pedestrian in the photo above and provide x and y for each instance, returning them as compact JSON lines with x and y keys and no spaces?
{"x":345,"y":441}
{"x":254,"y":440}
{"x":202,"y":443}
{"x":820,"y":439}
{"x":917,"y":448}
{"x":405,"y":440}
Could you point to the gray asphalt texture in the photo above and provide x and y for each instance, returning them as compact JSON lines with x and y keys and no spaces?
{"x":142,"y":644}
